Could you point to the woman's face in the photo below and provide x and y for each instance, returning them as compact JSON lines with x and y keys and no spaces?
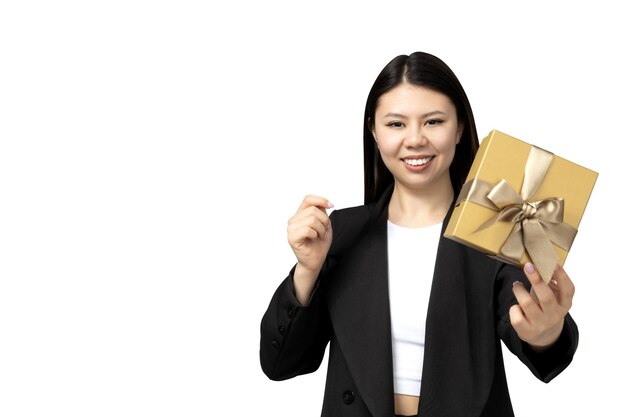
{"x":416,"y":130}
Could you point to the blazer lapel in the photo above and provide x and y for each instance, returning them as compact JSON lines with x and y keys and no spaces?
{"x":447,"y":357}
{"x":359,"y":311}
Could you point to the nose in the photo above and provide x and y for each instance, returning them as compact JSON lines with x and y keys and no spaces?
{"x":416,"y":137}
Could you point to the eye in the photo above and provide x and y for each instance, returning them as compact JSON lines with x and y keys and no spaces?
{"x":395,"y":124}
{"x":433,"y":122}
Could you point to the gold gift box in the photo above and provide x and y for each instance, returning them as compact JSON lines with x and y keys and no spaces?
{"x":548,"y":180}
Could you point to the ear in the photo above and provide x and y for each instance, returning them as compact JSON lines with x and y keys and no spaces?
{"x":459,"y":133}
{"x":371,"y":127}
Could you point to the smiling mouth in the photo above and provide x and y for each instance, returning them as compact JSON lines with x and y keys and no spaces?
{"x":417,"y":162}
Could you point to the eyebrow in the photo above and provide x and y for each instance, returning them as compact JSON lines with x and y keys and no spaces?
{"x":398,"y":115}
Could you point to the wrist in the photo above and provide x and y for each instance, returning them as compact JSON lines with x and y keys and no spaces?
{"x":304,"y":281}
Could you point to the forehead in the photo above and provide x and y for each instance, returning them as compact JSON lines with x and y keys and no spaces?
{"x":411,"y":98}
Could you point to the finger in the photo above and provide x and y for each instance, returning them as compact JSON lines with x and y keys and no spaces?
{"x":561,"y":276}
{"x":534,"y":295}
{"x":545,"y":295}
{"x":528,"y":306}
{"x":563,"y":287}
{"x":309,"y":227}
{"x":316,"y":201}
{"x":308,"y":216}
{"x":298,"y":237}
{"x":314,"y":211}
{"x":519,"y":321}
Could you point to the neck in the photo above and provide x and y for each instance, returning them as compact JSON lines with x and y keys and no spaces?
{"x":417,"y":208}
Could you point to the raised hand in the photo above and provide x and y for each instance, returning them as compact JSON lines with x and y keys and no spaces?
{"x":538,"y":318}
{"x":309,"y":234}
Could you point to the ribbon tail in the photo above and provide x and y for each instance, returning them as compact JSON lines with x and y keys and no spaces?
{"x":539,"y":248}
{"x":513,"y":247}
{"x":487,"y":224}
{"x":561,"y":234}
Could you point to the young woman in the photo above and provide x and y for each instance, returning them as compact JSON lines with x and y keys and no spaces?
{"x":414,"y":320}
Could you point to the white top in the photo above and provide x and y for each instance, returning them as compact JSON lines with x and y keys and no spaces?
{"x":411,"y":254}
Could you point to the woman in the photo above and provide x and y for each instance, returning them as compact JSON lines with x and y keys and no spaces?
{"x":414,"y":320}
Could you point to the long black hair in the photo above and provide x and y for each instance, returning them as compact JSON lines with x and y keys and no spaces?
{"x":424,"y":70}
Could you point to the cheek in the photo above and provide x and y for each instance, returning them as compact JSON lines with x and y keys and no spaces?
{"x":385,"y":149}
{"x":388,"y":143}
{"x":447,"y":142}
{"x":450,"y":152}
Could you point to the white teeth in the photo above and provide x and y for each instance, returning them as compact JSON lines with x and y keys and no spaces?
{"x":418,"y":162}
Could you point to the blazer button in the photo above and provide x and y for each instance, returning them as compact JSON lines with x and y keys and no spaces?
{"x":348,"y":397}
{"x":276,"y":344}
{"x":290,"y":313}
{"x":281,"y":329}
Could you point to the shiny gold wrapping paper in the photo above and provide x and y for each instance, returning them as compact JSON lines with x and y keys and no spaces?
{"x":503,"y":157}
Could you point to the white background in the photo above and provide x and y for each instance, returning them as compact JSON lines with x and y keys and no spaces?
{"x":151,"y":153}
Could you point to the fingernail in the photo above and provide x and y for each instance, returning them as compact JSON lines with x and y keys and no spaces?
{"x":329,"y":204}
{"x":516,"y":283}
{"x":530,"y":268}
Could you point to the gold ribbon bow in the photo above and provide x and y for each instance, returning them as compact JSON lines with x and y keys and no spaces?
{"x":536,"y":224}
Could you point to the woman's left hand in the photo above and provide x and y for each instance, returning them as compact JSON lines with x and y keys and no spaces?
{"x":538,"y":318}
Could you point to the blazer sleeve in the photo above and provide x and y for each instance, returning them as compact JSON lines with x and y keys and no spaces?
{"x":549,"y":363}
{"x":293,"y":336}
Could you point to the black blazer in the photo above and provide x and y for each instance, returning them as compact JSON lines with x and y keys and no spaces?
{"x":463,"y":372}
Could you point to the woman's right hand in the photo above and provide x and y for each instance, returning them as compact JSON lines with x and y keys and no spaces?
{"x":309,"y":233}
